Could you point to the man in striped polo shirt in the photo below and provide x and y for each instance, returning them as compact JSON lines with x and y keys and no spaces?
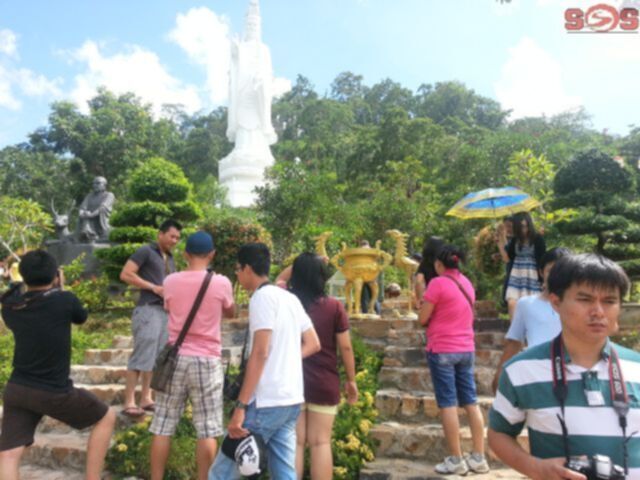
{"x":586,"y":290}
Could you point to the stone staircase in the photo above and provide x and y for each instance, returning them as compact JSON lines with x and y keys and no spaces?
{"x":59,"y":452}
{"x":409,"y":432}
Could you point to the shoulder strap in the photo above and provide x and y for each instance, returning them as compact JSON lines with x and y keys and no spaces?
{"x":194,"y":309}
{"x":464,"y":292}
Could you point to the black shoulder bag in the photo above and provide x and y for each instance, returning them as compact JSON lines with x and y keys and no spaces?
{"x":167,"y":359}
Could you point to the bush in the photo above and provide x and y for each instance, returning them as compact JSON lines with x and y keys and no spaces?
{"x":159,"y":180}
{"x":146,"y":213}
{"x":6,"y":356}
{"x":114,"y":258}
{"x":129,"y":455}
{"x":93,"y":292}
{"x":187,"y":211}
{"x":139,"y":234}
{"x":351,"y":443}
{"x":229,"y":234}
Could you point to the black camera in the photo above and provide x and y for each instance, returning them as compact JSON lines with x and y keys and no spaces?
{"x":596,"y":468}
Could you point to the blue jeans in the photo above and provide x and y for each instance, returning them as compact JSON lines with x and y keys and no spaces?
{"x":452,"y":377}
{"x":277,"y":426}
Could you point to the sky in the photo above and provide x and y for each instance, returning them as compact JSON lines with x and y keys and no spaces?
{"x":177,"y":51}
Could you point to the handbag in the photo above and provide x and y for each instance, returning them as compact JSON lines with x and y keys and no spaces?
{"x":232,"y":385}
{"x":167,"y":359}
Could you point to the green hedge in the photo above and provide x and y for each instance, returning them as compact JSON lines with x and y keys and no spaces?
{"x":114,"y":258}
{"x":187,"y":211}
{"x":133,"y":234}
{"x":147,"y":213}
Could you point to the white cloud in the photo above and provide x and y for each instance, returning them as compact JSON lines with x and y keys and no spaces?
{"x":8,"y":42}
{"x":204,"y":36}
{"x":7,"y":98}
{"x":27,"y":82}
{"x":280,"y":86}
{"x":34,"y":85}
{"x":137,"y":70}
{"x":531,"y":83}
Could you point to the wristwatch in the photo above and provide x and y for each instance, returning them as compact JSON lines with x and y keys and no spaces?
{"x":240,"y":405}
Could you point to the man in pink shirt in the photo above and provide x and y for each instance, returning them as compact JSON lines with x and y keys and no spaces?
{"x":199,"y":373}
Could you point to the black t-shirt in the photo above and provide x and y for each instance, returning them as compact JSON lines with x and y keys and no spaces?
{"x":41,"y":326}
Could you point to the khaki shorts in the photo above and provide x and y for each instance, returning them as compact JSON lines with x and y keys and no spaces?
{"x":200,"y":379}
{"x":315,"y":408}
{"x":25,"y":406}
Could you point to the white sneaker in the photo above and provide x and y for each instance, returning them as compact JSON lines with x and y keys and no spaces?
{"x":477,"y":463}
{"x":453,"y":465}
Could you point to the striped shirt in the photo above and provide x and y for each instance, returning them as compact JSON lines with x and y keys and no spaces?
{"x":525,"y":396}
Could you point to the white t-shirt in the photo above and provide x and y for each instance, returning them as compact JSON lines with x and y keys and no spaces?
{"x":275,"y":309}
{"x":534,"y":321}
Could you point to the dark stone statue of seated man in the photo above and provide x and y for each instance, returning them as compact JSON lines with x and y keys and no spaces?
{"x":94,"y":213}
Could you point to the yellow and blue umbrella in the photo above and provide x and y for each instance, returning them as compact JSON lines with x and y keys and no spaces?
{"x":493,"y":203}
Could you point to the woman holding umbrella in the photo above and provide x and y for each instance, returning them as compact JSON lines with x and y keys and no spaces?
{"x":522,"y":255}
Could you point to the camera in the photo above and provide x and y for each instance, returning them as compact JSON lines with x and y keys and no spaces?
{"x":597,"y":467}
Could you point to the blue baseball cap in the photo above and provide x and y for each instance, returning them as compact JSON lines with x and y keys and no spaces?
{"x":199,"y":243}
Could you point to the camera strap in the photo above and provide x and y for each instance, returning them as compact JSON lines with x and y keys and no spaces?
{"x":619,"y":398}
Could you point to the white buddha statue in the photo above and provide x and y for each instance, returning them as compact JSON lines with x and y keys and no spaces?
{"x":249,"y":114}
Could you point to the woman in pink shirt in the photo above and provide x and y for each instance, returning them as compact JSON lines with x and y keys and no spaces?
{"x":447,"y":312}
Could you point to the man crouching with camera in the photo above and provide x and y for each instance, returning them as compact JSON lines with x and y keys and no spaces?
{"x":579,"y":394}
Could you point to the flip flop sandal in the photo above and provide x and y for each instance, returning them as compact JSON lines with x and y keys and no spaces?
{"x":132,"y":412}
{"x":149,"y":408}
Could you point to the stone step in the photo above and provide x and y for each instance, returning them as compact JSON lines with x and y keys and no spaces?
{"x":109,"y":393}
{"x":395,"y":356}
{"x":418,"y":407}
{"x":119,"y":357}
{"x":404,"y":469}
{"x":98,"y":374}
{"x":230,"y":327}
{"x":416,"y":339}
{"x":51,"y":425}
{"x":58,"y":451}
{"x":426,"y":442}
{"x":34,"y":472}
{"x":418,"y":379}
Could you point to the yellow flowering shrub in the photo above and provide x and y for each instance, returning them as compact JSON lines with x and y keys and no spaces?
{"x":352,"y":444}
{"x":129,"y":455}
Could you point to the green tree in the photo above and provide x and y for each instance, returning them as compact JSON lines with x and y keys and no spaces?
{"x":110,"y":140}
{"x":601,"y":190}
{"x":23,"y":225}
{"x":39,"y":176}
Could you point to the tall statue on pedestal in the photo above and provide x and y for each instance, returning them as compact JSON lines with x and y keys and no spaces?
{"x":249,"y":128}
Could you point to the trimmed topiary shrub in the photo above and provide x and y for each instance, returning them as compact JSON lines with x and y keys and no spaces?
{"x":601,"y":190}
{"x":159,"y":190}
{"x":160,"y":181}
{"x":133,"y":234}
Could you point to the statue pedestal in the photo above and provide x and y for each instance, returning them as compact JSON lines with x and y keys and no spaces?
{"x":242,"y":171}
{"x":66,"y":252}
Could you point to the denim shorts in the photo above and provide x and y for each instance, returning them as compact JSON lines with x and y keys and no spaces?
{"x":452,"y":377}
